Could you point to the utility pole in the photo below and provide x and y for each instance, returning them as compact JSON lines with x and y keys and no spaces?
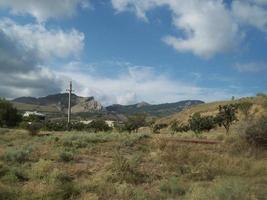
{"x":69,"y":108}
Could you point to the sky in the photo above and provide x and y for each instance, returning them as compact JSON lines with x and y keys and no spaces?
{"x":127,"y":51}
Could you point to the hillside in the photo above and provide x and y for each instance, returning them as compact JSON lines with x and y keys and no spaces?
{"x":212,"y":108}
{"x":153,"y":110}
{"x":58,"y":103}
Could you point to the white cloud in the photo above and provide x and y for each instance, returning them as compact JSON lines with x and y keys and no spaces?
{"x":46,"y":43}
{"x":207,"y":25}
{"x":129,"y":87}
{"x":251,"y":12}
{"x":25,"y":50}
{"x":251,"y":67}
{"x":44,"y":9}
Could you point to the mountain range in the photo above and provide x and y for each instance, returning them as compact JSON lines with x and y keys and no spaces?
{"x":81,"y":105}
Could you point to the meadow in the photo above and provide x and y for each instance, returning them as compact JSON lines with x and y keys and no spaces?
{"x":111,"y":165}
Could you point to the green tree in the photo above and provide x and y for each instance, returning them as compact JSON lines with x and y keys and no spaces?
{"x":9,"y":116}
{"x":135,"y":122}
{"x":177,"y":126}
{"x":198,"y":123}
{"x":99,"y":125}
{"x":227,"y":116}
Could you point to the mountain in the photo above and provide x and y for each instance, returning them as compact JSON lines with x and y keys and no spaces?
{"x":153,"y":110}
{"x":60,"y":102}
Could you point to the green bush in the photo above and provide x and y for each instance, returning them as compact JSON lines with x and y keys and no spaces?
{"x":158,"y":127}
{"x":99,"y":125}
{"x":198,"y":123}
{"x":227,"y":116}
{"x":9,"y":116}
{"x":179,"y":127}
{"x":256,"y":133}
{"x":19,"y":156}
{"x":172,"y":187}
{"x":34,"y":128}
{"x":135,"y":122}
{"x":66,"y":156}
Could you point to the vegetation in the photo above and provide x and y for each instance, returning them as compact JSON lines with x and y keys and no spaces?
{"x":256,"y":133}
{"x":245,"y":107}
{"x":227,"y":116}
{"x":135,"y":122}
{"x":9,"y":116}
{"x":198,"y":123}
{"x":110,"y":165}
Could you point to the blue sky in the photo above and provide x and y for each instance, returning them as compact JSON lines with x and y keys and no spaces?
{"x":126,"y":51}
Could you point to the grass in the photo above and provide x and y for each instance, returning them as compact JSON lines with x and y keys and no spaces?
{"x":81,"y":165}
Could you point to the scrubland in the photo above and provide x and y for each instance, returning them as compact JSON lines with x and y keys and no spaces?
{"x":111,"y":165}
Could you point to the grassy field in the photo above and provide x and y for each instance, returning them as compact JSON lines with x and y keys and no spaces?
{"x":81,"y":165}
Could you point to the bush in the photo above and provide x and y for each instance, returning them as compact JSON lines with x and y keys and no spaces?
{"x":179,"y":127}
{"x":19,"y":156}
{"x":99,"y":125}
{"x":34,"y":128}
{"x":66,"y":156}
{"x":245,"y":107}
{"x":135,"y":122}
{"x":198,"y":123}
{"x":256,"y":133}
{"x":227,"y":116}
{"x":158,"y":127}
{"x":172,"y":187}
{"x":9,"y":116}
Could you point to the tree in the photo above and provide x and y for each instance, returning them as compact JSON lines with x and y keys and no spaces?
{"x":158,"y":127}
{"x":198,"y":123}
{"x":135,"y":122}
{"x":245,"y":107}
{"x":176,"y":126}
{"x":227,"y":116}
{"x":99,"y":125}
{"x":9,"y":116}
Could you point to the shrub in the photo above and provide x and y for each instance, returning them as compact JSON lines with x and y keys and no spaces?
{"x":245,"y":107}
{"x":179,"y":127}
{"x":19,"y":156}
{"x":99,"y":125}
{"x":158,"y":127}
{"x":66,"y":156}
{"x":34,"y":128}
{"x":256,"y":133}
{"x":227,"y":116}
{"x":135,"y":122}
{"x":126,"y":169}
{"x":172,"y":187}
{"x":9,"y":116}
{"x":198,"y":123}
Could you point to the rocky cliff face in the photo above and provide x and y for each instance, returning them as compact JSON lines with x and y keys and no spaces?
{"x":60,"y":101}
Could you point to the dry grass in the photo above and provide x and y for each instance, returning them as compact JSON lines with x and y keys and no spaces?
{"x":122,"y":166}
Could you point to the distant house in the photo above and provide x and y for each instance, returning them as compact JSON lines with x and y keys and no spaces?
{"x":108,"y":122}
{"x":40,"y":116}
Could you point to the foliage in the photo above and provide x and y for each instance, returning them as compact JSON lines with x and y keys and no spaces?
{"x":227,"y":116}
{"x":19,"y":156}
{"x":198,"y":123}
{"x":9,"y":116}
{"x":99,"y":125}
{"x":135,"y":122}
{"x":178,"y":127}
{"x":33,"y":128}
{"x":66,"y":156}
{"x":158,"y":127}
{"x":245,"y":107}
{"x":172,"y":187}
{"x":256,"y":133}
